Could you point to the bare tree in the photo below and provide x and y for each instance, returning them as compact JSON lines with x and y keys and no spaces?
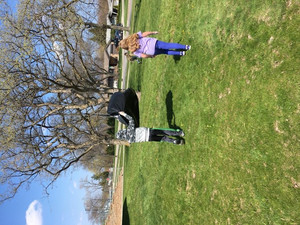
{"x":53,"y":96}
{"x":97,"y":199}
{"x":97,"y":209}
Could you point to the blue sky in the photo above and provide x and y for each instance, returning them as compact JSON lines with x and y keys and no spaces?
{"x":12,"y":3}
{"x":64,"y":205}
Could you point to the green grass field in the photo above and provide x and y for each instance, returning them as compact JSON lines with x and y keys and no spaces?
{"x":236,"y":95}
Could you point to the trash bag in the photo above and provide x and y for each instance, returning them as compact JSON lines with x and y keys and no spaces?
{"x":126,"y":101}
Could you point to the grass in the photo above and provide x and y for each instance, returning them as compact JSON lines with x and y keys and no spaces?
{"x":236,"y":95}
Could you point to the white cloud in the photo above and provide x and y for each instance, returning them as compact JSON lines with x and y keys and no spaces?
{"x":34,"y":213}
{"x":80,"y":219}
{"x":75,"y":185}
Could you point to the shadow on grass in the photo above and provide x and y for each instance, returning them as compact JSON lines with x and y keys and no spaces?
{"x":171,"y":116}
{"x":125,"y":219}
{"x":176,"y":58}
{"x":170,"y":113}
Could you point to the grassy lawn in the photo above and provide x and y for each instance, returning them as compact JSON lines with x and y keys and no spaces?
{"x":236,"y":95}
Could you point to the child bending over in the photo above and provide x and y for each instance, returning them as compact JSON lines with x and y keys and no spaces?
{"x":145,"y":134}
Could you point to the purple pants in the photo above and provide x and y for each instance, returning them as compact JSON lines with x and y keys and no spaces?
{"x":168,"y":48}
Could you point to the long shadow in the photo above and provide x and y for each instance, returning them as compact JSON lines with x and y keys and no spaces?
{"x":176,"y":58}
{"x":170,"y":113}
{"x":125,"y":219}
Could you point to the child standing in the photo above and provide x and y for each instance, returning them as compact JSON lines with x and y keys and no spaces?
{"x":145,"y":47}
{"x":144,"y":134}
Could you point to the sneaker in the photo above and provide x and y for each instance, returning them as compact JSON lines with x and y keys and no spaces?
{"x":182,"y":53}
{"x":178,"y":142}
{"x":188,"y":47}
{"x":181,"y":133}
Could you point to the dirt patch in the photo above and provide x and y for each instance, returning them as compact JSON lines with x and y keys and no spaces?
{"x":115,"y":214}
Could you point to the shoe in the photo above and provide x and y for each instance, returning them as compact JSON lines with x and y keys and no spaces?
{"x":179,"y":142}
{"x":188,"y":47}
{"x":176,"y":142}
{"x":182,"y":53}
{"x":181,"y":133}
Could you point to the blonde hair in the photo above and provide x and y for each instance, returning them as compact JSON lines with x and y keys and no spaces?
{"x":130,"y":43}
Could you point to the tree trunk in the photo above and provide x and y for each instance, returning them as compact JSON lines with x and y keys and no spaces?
{"x":115,"y":142}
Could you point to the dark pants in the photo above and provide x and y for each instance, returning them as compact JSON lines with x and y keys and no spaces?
{"x":162,"y":135}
